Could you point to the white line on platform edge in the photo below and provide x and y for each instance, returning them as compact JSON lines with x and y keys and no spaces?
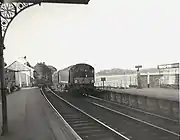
{"x":137,"y":119}
{"x":72,"y":131}
{"x":91,"y":117}
{"x":156,"y":115}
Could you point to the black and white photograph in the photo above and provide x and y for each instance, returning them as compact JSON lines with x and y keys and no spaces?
{"x":89,"y":70}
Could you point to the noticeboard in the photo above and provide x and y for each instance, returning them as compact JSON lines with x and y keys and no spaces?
{"x":139,"y":66}
{"x":103,"y":78}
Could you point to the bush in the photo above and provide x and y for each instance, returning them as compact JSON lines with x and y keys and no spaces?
{"x":133,"y":86}
{"x":170,"y":86}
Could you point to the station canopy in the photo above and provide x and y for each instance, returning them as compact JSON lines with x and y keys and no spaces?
{"x":50,"y":1}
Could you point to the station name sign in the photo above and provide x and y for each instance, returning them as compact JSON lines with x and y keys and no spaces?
{"x":168,"y":66}
{"x":50,"y":1}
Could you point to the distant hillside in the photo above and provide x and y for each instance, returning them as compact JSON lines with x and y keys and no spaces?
{"x":117,"y":71}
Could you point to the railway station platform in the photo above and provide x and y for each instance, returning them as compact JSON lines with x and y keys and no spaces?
{"x":30,"y":117}
{"x":163,"y":102}
{"x":160,"y":93}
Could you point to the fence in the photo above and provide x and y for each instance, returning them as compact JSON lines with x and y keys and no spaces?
{"x":117,"y":81}
{"x":154,"y":80}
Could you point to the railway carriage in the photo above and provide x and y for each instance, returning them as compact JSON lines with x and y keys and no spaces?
{"x":77,"y":79}
{"x":55,"y":79}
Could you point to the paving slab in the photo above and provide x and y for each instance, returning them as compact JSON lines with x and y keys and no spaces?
{"x":31,"y":118}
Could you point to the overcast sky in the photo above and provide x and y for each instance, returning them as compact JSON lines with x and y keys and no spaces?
{"x":104,"y":33}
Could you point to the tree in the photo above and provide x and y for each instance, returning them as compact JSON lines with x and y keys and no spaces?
{"x":43,"y":73}
{"x":53,"y":69}
{"x":41,"y":69}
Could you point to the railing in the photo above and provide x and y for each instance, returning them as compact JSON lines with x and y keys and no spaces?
{"x":144,"y":85}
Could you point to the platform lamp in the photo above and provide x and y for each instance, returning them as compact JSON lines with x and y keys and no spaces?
{"x":2,"y":81}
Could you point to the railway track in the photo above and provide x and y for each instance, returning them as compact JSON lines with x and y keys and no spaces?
{"x":160,"y":122}
{"x":86,"y":127}
{"x":128,"y":126}
{"x":136,"y":109}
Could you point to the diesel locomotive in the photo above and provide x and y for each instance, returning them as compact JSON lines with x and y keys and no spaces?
{"x":76,"y":79}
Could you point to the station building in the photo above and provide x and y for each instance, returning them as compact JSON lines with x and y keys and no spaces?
{"x":23,"y":73}
{"x":166,"y":76}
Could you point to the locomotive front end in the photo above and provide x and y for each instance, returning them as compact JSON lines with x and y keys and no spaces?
{"x":83,"y":78}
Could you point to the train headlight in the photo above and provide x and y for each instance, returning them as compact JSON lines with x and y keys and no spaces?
{"x":76,"y":81}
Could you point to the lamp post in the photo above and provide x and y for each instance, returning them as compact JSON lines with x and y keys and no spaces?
{"x":2,"y":80}
{"x":138,"y":76}
{"x":159,"y":76}
{"x":148,"y":80}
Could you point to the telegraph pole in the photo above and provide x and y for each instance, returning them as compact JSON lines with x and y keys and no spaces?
{"x":2,"y":80}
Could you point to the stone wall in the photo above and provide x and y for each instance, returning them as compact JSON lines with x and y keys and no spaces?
{"x":166,"y":108}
